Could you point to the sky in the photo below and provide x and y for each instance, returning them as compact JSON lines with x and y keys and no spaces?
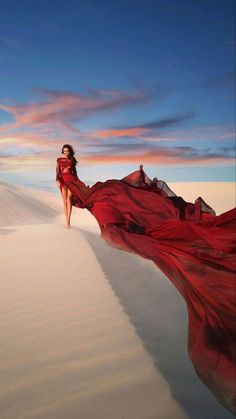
{"x":125,"y":83}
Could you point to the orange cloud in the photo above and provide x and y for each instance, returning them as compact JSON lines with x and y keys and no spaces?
{"x":63,"y":108}
{"x":122,"y":132}
{"x":140,"y":133}
{"x":177,"y":156}
{"x":152,"y":131}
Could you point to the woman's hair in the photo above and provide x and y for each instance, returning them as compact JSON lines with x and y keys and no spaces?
{"x":71,"y":155}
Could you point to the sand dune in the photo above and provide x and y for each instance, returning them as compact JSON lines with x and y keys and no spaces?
{"x":87,"y":331}
{"x":20,"y":205}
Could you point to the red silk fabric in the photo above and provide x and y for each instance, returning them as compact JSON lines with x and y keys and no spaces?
{"x":192,"y":246}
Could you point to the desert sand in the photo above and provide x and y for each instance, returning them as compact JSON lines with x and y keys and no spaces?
{"x":89,"y":331}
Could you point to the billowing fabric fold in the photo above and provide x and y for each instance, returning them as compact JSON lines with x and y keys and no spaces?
{"x":193,"y":246}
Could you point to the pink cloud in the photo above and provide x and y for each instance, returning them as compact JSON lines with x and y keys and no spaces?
{"x":63,"y":108}
{"x":151,"y":132}
{"x":119,"y":132}
{"x":178,"y":156}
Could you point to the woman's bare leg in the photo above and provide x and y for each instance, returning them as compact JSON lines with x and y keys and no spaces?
{"x":69,"y":205}
{"x":64,"y":193}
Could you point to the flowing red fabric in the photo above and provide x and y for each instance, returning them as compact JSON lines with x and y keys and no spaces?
{"x":193,"y":247}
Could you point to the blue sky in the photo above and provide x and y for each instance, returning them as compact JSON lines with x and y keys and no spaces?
{"x":126,"y":83}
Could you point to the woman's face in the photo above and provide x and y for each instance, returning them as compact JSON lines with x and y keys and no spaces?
{"x":66,"y":152}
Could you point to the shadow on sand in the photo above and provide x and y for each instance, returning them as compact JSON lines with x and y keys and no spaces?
{"x":159,"y":315}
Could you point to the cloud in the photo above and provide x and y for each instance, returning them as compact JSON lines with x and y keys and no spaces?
{"x":160,"y":131}
{"x":142,"y":129}
{"x":32,"y":160}
{"x":166,"y":122}
{"x":61,"y":109}
{"x":204,"y":133}
{"x":163,"y":156}
{"x":27,"y":163}
{"x":25,"y":138}
{"x":33,"y":145}
{"x":29,"y":143}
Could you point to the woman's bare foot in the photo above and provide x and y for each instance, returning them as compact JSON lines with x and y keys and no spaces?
{"x":67,"y":225}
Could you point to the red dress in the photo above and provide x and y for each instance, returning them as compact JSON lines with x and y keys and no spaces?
{"x":67,"y":175}
{"x":194,"y":248}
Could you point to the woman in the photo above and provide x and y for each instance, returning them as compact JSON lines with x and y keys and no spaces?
{"x":193,"y":246}
{"x":66,"y":174}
